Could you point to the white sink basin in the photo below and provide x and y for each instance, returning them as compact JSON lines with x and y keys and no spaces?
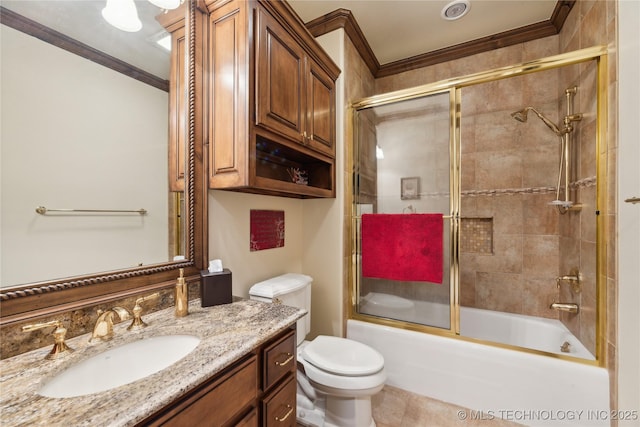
{"x":119,"y":366}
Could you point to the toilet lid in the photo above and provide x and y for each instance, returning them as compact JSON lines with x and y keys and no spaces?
{"x":342,"y":356}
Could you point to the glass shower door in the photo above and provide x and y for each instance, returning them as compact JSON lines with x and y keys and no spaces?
{"x":403,"y":206}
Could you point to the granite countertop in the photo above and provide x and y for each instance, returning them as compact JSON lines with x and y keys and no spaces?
{"x":227,"y":332}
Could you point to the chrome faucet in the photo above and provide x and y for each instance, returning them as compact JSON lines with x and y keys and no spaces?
{"x":103,"y":328}
{"x":565,"y":306}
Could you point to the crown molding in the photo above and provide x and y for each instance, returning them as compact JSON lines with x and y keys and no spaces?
{"x":55,"y":38}
{"x":343,"y":18}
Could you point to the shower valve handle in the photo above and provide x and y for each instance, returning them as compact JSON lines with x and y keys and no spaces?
{"x":573,"y":279}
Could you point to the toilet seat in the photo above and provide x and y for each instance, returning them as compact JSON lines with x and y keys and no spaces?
{"x":341,"y":366}
{"x":341,"y":356}
{"x":342,"y":385}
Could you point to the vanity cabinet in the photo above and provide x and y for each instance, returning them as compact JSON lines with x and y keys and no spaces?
{"x":272,"y":102}
{"x":257,"y":390}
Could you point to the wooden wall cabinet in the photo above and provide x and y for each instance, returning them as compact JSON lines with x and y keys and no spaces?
{"x":272,"y":102}
{"x":257,"y":390}
{"x":296,"y":97}
{"x":174,"y":22}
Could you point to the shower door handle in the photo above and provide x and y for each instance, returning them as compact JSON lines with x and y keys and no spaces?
{"x":633,"y":200}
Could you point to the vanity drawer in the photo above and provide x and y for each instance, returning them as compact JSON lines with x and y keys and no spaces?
{"x":279,"y":359}
{"x":279,"y":407}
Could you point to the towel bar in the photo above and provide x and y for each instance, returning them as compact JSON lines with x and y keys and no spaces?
{"x":443,"y":216}
{"x":42,"y":210}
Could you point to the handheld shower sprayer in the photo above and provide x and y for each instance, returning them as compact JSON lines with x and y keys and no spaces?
{"x":565,"y":139}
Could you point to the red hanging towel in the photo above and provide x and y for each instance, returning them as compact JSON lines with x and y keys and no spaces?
{"x":406,"y":247}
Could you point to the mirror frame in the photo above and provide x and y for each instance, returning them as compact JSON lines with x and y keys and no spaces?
{"x":55,"y":296}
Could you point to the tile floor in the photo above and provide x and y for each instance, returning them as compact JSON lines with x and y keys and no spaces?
{"x":393,"y":407}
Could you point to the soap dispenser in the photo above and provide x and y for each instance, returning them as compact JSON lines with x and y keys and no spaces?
{"x":182,"y":296}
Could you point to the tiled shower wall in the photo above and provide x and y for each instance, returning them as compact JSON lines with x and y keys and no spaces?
{"x":508,"y":175}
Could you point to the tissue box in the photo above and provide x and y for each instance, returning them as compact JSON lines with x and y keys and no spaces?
{"x":215,"y":288}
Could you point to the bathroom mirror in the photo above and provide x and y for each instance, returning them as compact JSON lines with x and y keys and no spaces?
{"x":118,"y":157}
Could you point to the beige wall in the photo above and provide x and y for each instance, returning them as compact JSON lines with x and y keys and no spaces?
{"x":628,"y":251}
{"x":229,"y":238}
{"x":322,"y":222}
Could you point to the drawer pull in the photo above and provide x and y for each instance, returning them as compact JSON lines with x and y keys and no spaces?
{"x":290,"y":410}
{"x":289,"y":359}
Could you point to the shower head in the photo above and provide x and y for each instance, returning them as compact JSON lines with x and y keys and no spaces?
{"x":521,"y":116}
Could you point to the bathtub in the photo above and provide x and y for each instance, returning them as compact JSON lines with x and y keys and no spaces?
{"x":514,"y":329}
{"x":492,"y":382}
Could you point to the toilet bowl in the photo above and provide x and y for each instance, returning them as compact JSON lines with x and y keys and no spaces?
{"x":336,"y":376}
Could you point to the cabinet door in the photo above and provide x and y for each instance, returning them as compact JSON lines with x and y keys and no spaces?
{"x":229,"y":63}
{"x":250,"y":420}
{"x":280,"y":91}
{"x":177,"y":111}
{"x":218,"y":403}
{"x":320,"y":110}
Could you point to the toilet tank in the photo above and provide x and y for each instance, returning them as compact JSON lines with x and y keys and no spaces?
{"x":289,"y":289}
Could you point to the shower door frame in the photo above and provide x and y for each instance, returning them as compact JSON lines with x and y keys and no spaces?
{"x":454,"y":87}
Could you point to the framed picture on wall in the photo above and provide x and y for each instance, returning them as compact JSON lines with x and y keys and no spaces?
{"x":410,"y":188}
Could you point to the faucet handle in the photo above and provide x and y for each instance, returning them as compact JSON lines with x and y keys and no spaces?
{"x":59,"y":333}
{"x":573,"y":279}
{"x":137,"y":321}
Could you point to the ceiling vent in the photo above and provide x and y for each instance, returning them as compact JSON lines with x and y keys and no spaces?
{"x":455,"y":10}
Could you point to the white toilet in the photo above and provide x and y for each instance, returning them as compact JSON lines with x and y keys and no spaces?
{"x":336,"y":376}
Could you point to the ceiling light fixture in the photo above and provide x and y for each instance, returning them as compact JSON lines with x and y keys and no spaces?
{"x":123,"y":15}
{"x":166,"y":4}
{"x":455,"y":10}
